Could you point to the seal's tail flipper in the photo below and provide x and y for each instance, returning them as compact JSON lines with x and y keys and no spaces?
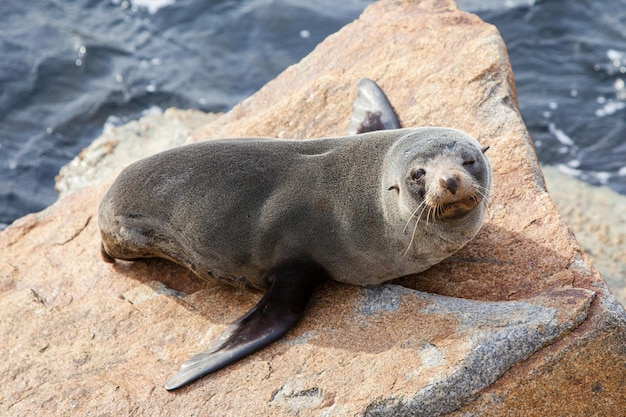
{"x":278,"y":311}
{"x":371,"y":110}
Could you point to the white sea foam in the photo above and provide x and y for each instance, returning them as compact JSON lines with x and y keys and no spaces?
{"x":111,"y":122}
{"x":614,"y":55}
{"x":610,"y":107}
{"x":620,"y":88}
{"x":481,"y":5}
{"x":153,"y":6}
{"x":602,"y":177}
{"x":574,"y":163}
{"x":568,"y":170}
{"x":152,"y":110}
{"x":114,"y":121}
{"x":560,"y":135}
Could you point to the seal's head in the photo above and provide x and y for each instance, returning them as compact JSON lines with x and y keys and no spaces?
{"x":438,"y":174}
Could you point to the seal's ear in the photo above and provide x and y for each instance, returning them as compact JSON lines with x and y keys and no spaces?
{"x":394,"y":187}
{"x":483,"y":150}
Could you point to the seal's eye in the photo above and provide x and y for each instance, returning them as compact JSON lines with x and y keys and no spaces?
{"x":418,"y":174}
{"x":469,"y":162}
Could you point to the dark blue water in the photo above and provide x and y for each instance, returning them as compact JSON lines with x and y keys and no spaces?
{"x":69,"y":67}
{"x":569,"y":60}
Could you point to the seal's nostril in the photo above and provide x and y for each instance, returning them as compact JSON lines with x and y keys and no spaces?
{"x":451,"y":184}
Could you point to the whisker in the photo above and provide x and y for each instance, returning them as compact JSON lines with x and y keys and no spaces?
{"x":411,"y":216}
{"x":419,"y":217}
{"x":431,"y":211}
{"x":483,"y":192}
{"x":422,"y":212}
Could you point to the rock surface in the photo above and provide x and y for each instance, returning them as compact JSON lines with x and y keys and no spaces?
{"x":153,"y":133}
{"x":598,"y":217}
{"x":510,"y":325}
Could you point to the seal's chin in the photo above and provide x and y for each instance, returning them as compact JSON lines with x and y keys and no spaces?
{"x":458,"y":208}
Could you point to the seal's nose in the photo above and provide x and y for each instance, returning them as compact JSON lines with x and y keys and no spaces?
{"x":450,"y":183}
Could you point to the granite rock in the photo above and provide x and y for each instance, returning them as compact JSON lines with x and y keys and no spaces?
{"x":509,"y":325}
{"x":119,"y":146}
{"x":597,"y":215}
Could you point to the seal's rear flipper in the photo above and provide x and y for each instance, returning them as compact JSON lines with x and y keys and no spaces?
{"x":291,"y":286}
{"x":371,"y":110}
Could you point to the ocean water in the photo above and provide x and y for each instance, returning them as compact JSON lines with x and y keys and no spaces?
{"x":569,"y":60}
{"x":70,"y":69}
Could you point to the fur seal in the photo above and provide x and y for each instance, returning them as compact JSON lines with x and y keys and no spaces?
{"x":282,"y":216}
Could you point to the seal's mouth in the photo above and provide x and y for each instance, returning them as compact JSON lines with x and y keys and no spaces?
{"x":458,"y":208}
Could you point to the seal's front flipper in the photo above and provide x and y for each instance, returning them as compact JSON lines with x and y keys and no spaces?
{"x":105,"y":255}
{"x":371,"y":110}
{"x":278,"y":311}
